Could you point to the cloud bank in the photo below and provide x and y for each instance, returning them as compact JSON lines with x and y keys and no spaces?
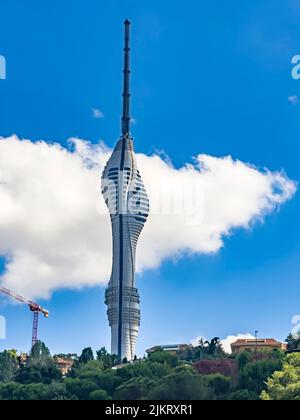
{"x":54,"y":226}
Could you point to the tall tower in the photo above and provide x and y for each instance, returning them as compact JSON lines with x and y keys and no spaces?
{"x":127,"y":201}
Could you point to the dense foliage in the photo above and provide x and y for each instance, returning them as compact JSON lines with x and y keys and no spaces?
{"x":204,"y":372}
{"x":285,"y":384}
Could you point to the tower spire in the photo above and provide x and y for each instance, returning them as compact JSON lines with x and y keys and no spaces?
{"x":126,"y":91}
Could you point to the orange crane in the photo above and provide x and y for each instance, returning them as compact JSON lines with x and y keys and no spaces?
{"x":33,"y":307}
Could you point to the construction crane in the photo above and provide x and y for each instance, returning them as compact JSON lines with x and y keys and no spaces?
{"x":33,"y":307}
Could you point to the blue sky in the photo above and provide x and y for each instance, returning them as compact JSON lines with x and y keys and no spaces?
{"x":208,"y":77}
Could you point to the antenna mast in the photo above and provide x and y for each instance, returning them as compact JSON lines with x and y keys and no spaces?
{"x":126,"y":91}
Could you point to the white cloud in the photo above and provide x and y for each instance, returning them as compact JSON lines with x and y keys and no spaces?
{"x":54,"y":226}
{"x":294,"y":99}
{"x":226,"y":342}
{"x":97,"y":113}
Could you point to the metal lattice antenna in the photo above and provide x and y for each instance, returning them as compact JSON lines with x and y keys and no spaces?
{"x":126,"y":92}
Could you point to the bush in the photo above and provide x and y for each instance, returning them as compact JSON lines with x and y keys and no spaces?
{"x":135,"y":389}
{"x":225,"y":367}
{"x":182,"y":386}
{"x":220,"y":384}
{"x":16,"y":391}
{"x":243,"y":395}
{"x":285,"y":384}
{"x":99,"y":395}
{"x":80,"y":388}
{"x":254,"y":375}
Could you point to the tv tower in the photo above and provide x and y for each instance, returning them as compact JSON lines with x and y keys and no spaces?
{"x":128,"y":204}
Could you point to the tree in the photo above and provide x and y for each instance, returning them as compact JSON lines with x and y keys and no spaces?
{"x":13,"y":353}
{"x":15,"y":391}
{"x":182,"y":385}
{"x":109,"y":380}
{"x":242,"y":395}
{"x":214,"y":347}
{"x":225,"y":367}
{"x":86,"y":356}
{"x":99,"y":395}
{"x":57,"y":391}
{"x":39,"y":373}
{"x":40,"y":367}
{"x":80,"y":388}
{"x":243,"y":359}
{"x":8,"y":366}
{"x":9,"y":391}
{"x":164,"y":357}
{"x":293,"y":342}
{"x":135,"y":389}
{"x":255,"y":374}
{"x":205,"y":350}
{"x":90,"y":371}
{"x":107,"y":359}
{"x":285,"y":384}
{"x":220,"y":384}
{"x":147,"y":369}
{"x":39,"y":352}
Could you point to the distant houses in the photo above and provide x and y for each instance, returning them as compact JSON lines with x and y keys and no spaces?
{"x":64,"y":364}
{"x":256,"y":345}
{"x":237,"y":347}
{"x":170,"y":348}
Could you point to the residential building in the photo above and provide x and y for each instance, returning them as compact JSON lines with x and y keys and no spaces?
{"x":170,"y":348}
{"x":256,"y":345}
